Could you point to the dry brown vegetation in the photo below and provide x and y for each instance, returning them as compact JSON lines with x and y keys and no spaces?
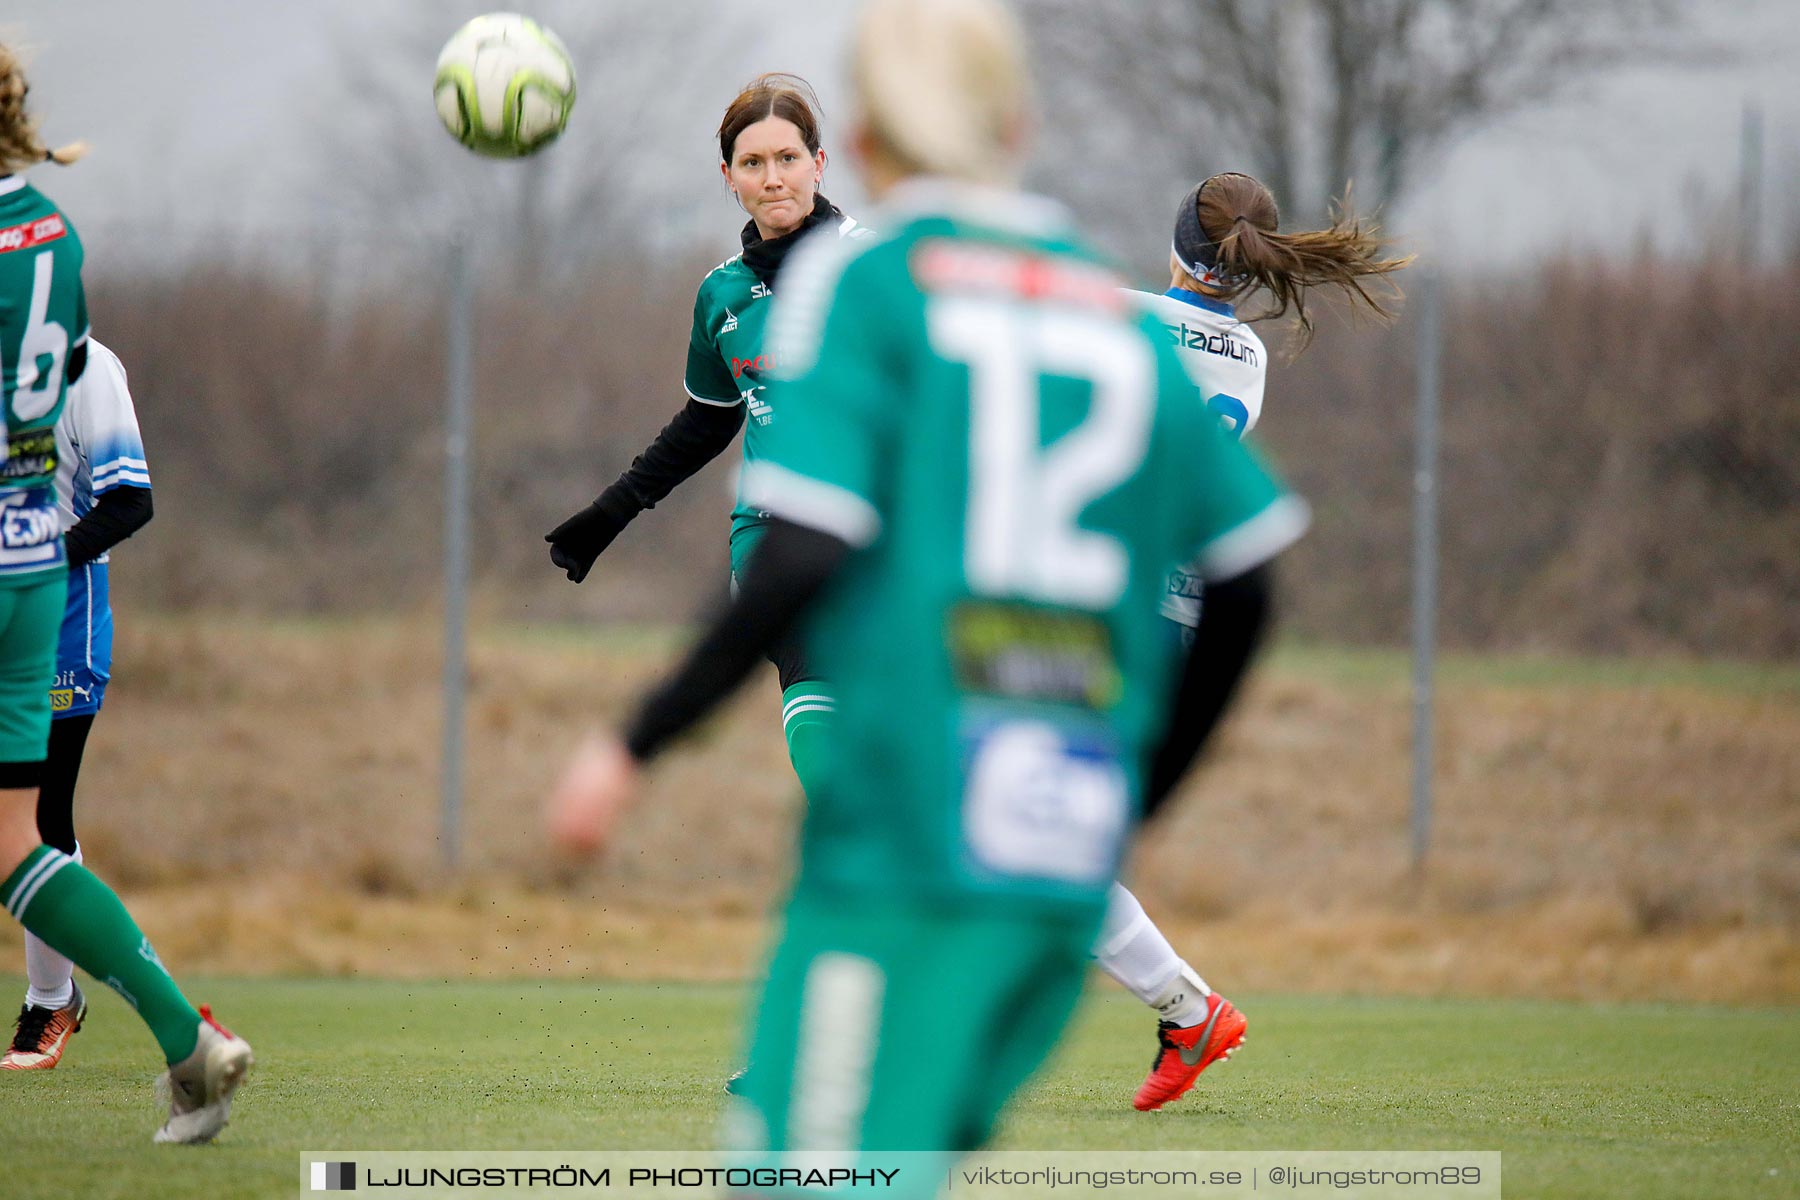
{"x":1620,"y":465}
{"x":1621,"y":461}
{"x":1621,"y":475}
{"x":266,"y":796}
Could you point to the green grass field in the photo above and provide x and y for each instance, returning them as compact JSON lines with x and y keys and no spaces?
{"x":1615,"y":1101}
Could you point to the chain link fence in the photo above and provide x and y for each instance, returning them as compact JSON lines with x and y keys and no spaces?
{"x":1620,"y":448}
{"x":1618,"y":604}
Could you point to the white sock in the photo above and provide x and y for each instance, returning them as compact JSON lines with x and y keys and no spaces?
{"x":1183,"y":1001}
{"x":50,"y":976}
{"x":1133,"y":951}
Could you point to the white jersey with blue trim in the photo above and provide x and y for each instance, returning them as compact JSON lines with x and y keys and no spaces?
{"x":98,"y":446}
{"x":1223,"y":356}
{"x":1228,"y":363}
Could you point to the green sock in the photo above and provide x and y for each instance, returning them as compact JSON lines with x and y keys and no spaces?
{"x":64,"y":903}
{"x":807,"y":712}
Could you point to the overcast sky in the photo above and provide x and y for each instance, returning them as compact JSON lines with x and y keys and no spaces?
{"x":203,"y":108}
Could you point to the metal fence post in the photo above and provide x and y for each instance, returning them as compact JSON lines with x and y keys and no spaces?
{"x":1750,"y":185}
{"x":1425,"y":557}
{"x":459,"y":402}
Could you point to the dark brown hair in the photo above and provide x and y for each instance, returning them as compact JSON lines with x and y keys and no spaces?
{"x":775,"y":94}
{"x":1239,"y":217}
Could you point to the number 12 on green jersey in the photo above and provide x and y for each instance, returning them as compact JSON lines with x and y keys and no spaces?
{"x":1023,"y":536}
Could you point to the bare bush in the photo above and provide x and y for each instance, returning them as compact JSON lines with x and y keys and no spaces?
{"x":1621,"y":453}
{"x":1621,"y":465}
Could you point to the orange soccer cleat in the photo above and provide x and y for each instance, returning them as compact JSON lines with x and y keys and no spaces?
{"x":1183,"y":1051}
{"x":42,"y":1033}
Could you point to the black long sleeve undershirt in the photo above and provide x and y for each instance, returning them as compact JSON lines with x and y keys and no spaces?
{"x":793,"y":565}
{"x":698,"y":434}
{"x":116,"y":515}
{"x":789,"y":569}
{"x":1234,"y":616}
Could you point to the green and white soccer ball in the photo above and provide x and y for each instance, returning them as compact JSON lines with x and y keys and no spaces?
{"x":505,"y":85}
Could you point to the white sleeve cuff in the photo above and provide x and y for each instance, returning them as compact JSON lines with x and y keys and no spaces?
{"x":813,"y":503}
{"x":1256,"y":541}
{"x":693,"y":395}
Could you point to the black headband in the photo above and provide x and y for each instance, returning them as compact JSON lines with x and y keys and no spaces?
{"x":1192,"y":246}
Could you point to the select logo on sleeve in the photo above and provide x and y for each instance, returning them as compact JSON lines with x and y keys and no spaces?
{"x":334,"y":1177}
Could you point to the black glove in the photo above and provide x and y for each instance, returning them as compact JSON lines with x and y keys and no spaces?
{"x":578,"y":541}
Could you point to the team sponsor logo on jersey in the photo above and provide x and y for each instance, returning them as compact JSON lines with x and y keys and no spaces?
{"x":1043,"y":798}
{"x":32,"y":233}
{"x":1186,"y":337}
{"x":731,"y":322}
{"x":760,"y":412}
{"x":945,"y":266}
{"x":761,"y":291}
{"x":1025,"y":653}
{"x":759,"y":365}
{"x":29,"y":455}
{"x":30,"y":530}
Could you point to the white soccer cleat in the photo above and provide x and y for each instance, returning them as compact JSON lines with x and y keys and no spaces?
{"x":200,"y":1086}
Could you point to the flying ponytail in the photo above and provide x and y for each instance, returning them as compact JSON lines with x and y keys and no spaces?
{"x":20,"y":146}
{"x":1228,"y":238}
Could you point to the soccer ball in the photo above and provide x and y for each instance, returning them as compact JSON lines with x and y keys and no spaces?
{"x":505,"y":86}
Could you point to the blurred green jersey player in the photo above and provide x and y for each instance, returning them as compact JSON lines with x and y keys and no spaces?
{"x":1017,"y":459}
{"x":987,"y":463}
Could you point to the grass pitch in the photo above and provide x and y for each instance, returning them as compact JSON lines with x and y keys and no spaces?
{"x":1584,"y":1101}
{"x":1602,"y":829}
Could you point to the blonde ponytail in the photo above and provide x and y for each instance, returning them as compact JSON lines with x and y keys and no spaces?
{"x":943,"y":86}
{"x":20,"y":146}
{"x":67,"y":155}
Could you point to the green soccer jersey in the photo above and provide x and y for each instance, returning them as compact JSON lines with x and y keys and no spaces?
{"x":1021,"y":459}
{"x":726,"y":362}
{"x":43,"y":317}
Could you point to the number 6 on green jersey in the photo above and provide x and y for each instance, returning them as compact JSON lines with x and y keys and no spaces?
{"x":43,"y":316}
